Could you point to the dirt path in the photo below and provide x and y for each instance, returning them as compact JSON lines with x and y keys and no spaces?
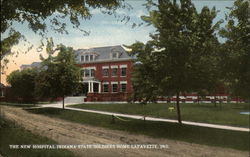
{"x":65,"y":132}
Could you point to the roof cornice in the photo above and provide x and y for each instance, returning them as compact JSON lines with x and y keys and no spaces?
{"x":106,"y":60}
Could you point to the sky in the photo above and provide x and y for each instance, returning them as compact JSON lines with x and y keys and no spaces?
{"x":105,"y":30}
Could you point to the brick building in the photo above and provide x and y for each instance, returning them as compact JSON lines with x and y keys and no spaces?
{"x":106,"y":73}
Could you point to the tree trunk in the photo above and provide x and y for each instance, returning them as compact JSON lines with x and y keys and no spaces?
{"x":1,"y":93}
{"x":198,"y":99}
{"x":63,"y":102}
{"x":178,"y":107}
{"x":215,"y":98}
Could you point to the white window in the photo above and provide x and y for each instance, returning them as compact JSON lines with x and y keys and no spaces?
{"x":82,"y":72}
{"x":114,"y":55}
{"x":114,"y":87}
{"x":105,"y":72}
{"x":123,"y":72}
{"x":88,"y":72}
{"x":82,"y":58}
{"x":105,"y":87}
{"x":123,"y":86}
{"x":92,"y":72}
{"x":91,"y":57}
{"x":114,"y":70}
{"x":123,"y":66}
{"x":87,"y":58}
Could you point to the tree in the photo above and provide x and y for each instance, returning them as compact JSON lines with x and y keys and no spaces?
{"x":59,"y":75}
{"x":42,"y":15}
{"x":236,"y":49}
{"x":182,"y":49}
{"x":5,"y":49}
{"x":23,"y":83}
{"x":143,"y":79}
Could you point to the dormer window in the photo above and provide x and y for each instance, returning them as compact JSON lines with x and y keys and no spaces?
{"x":82,"y":58}
{"x":91,"y":57}
{"x":86,"y":58}
{"x":114,"y":55}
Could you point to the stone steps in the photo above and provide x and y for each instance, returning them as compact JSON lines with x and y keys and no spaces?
{"x":74,"y":99}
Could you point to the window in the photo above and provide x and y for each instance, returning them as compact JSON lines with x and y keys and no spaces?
{"x":86,"y":58}
{"x":87,"y":73}
{"x":105,"y":87}
{"x":92,"y":72}
{"x":114,"y":55}
{"x":91,"y":57}
{"x":82,"y":58}
{"x":114,"y":71}
{"x":105,"y":72}
{"x":82,"y":72}
{"x":114,"y":88}
{"x":123,"y":87}
{"x":123,"y":71}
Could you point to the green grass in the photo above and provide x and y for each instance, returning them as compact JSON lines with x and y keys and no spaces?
{"x":193,"y":134}
{"x":226,"y":114}
{"x":11,"y":134}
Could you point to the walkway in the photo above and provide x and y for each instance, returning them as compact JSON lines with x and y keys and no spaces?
{"x":151,"y":118}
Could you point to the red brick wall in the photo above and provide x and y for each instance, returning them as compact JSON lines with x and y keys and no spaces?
{"x":108,"y":97}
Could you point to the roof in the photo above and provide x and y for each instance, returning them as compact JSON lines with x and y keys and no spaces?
{"x":32,"y":65}
{"x":103,"y":53}
{"x":36,"y":64}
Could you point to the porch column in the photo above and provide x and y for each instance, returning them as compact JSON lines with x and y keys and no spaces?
{"x":89,"y":87}
{"x":92,"y":85}
{"x":99,"y":88}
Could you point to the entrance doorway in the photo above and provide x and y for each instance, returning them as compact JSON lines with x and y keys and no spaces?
{"x":95,"y":87}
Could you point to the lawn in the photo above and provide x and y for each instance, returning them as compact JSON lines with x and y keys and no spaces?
{"x":193,"y":134}
{"x":225,"y":114}
{"x":11,"y":134}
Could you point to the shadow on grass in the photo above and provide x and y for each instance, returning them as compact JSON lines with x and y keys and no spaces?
{"x":18,"y":104}
{"x":45,"y":111}
{"x":11,"y":134}
{"x":193,"y":134}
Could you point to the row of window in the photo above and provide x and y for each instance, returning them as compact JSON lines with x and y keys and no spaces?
{"x":92,"y":57}
{"x":114,"y":88}
{"x":87,"y":58}
{"x":105,"y":72}
{"x":88,"y":73}
{"x":114,"y":72}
